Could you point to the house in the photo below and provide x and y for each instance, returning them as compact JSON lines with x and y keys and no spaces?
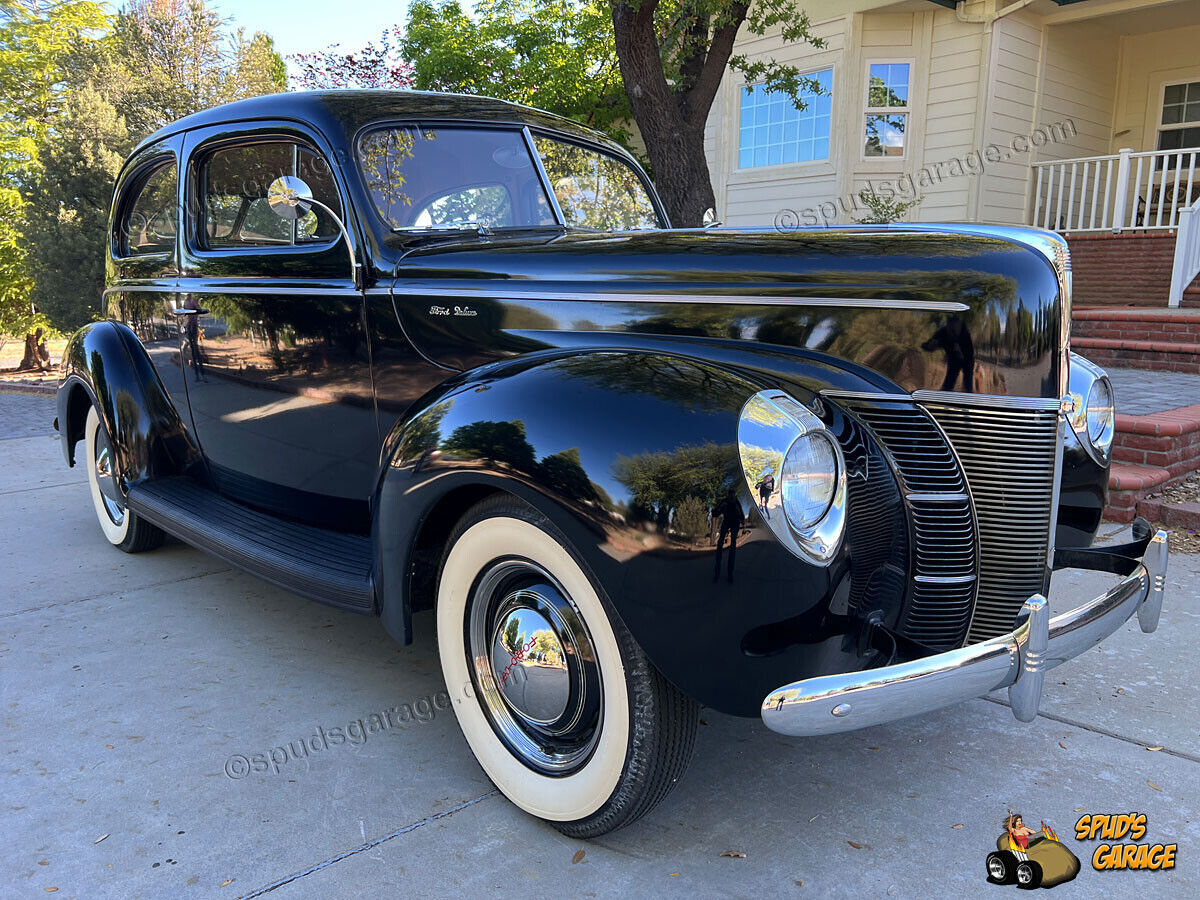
{"x":1078,"y":115}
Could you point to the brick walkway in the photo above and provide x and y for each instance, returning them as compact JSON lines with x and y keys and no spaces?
{"x":1141,"y":391}
{"x":25,"y":415}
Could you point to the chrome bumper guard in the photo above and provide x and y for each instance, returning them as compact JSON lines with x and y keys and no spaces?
{"x":1018,"y":660}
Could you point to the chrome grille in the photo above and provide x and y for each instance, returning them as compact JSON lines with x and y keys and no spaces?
{"x":943,"y":565}
{"x":1010,"y":456}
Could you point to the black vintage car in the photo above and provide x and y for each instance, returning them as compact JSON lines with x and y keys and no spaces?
{"x":398,"y":352}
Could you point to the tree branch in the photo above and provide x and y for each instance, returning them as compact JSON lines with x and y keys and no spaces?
{"x":698,"y":99}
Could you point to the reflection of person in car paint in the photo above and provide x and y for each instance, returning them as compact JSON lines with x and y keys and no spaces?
{"x":1019,"y":834}
{"x":732,"y":519}
{"x":955,"y":341}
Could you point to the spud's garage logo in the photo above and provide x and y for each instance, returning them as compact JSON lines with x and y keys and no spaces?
{"x":1111,"y":855}
{"x":1030,"y":858}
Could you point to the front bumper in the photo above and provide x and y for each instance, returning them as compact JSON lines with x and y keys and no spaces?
{"x":1017,"y":660}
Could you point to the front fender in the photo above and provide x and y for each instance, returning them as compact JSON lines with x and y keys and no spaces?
{"x":627,"y":453}
{"x":105,"y":365}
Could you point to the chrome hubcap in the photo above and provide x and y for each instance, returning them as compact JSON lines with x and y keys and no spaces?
{"x":105,"y":478}
{"x":996,"y":868}
{"x":533,"y":667}
{"x":1024,"y":875}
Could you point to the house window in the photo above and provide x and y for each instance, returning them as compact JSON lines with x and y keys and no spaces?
{"x":1180,"y":123}
{"x":774,"y":132}
{"x":887,"y":109}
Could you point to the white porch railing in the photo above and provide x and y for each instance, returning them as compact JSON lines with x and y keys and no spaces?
{"x":1123,"y":191}
{"x":1187,"y":253}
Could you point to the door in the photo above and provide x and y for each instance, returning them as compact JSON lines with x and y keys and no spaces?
{"x":145,"y":260}
{"x":277,"y":365}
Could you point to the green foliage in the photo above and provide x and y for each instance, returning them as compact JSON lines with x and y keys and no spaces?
{"x":661,"y":482}
{"x":776,"y":76}
{"x":883,"y":210}
{"x":557,"y":55}
{"x":77,"y":90}
{"x":691,"y":517}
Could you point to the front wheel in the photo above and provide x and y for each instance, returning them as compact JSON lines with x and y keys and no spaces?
{"x":557,"y":701}
{"x":1029,"y":874}
{"x":124,"y":529}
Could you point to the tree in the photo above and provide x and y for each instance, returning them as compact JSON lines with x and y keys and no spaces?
{"x":377,"y":65}
{"x":673,"y":55}
{"x":38,"y":44}
{"x":162,"y":59}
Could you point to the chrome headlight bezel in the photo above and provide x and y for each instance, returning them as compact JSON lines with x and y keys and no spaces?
{"x":1085,"y":376}
{"x":770,"y":424}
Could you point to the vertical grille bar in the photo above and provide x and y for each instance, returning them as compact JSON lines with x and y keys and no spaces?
{"x":1011,"y":456}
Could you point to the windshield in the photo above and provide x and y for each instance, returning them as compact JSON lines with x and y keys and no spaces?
{"x":460,"y":177}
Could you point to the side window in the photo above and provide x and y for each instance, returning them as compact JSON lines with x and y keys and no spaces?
{"x":149,"y":224}
{"x":595,"y":191}
{"x":234,"y":182}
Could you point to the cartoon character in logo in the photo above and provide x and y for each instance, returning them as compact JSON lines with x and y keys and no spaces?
{"x":1030,"y":858}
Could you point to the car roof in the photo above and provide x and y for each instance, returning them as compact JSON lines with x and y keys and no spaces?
{"x":348,"y":111}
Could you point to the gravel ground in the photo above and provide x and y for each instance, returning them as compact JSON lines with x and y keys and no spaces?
{"x":25,"y":415}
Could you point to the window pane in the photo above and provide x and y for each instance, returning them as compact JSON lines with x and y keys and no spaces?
{"x":450,"y":177}
{"x":236,"y":181}
{"x":785,"y":134}
{"x":885,"y":135}
{"x":1172,"y":114}
{"x":1175,"y":93}
{"x":595,"y":190}
{"x":887,"y":85}
{"x":150,"y":224}
{"x":1192,"y":112}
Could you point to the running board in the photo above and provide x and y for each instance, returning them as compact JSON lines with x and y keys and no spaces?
{"x":327,"y":566}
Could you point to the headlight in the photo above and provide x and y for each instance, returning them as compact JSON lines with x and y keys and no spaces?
{"x":810,"y":472}
{"x":1094,"y":416}
{"x":795,"y":473}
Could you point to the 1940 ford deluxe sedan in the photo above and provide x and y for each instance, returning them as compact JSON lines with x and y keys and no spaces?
{"x":399,"y":352}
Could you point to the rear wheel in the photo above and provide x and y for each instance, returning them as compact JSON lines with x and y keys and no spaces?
{"x":124,"y":529}
{"x":558,"y":703}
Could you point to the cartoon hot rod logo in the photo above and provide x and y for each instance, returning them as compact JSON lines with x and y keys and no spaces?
{"x":1030,"y":858}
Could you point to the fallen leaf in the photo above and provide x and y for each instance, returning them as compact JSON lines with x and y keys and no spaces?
{"x":872,"y":748}
{"x":578,"y":857}
{"x":50,"y":890}
{"x":672,"y":874}
{"x":1153,"y":785}
{"x":99,"y":839}
{"x":1061,"y":744}
{"x":227,"y":882}
{"x":43,"y":862}
{"x":1079,"y":809}
{"x":799,"y":882}
{"x":1120,"y":690}
{"x":959,"y":825}
{"x":110,"y":746}
{"x":855,"y":845}
{"x":734,"y":854}
{"x":1154,"y":748}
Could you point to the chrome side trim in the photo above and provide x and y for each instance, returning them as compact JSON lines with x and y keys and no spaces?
{"x":1018,"y":660}
{"x":864,"y":395}
{"x":506,"y":292}
{"x":950,"y":398}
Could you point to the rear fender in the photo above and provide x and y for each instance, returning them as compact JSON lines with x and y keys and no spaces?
{"x":106,"y":366}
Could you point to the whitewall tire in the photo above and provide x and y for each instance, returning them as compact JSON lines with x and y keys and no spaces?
{"x":123,"y":528}
{"x":556,"y":700}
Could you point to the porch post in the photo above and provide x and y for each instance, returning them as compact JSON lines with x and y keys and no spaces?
{"x":1118,"y":222}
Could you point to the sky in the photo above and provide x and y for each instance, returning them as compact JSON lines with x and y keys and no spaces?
{"x":301,"y":26}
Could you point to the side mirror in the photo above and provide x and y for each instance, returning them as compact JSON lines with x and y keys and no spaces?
{"x":710,"y":218}
{"x":291,"y":198}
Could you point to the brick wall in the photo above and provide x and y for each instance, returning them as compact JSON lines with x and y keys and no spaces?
{"x":1132,"y":269}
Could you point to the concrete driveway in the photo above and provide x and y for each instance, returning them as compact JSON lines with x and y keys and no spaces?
{"x":170,"y":730}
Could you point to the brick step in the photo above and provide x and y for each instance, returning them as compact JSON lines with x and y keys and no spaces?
{"x":1149,"y":451}
{"x":1128,"y":484}
{"x":1184,"y":514}
{"x":1183,"y":358}
{"x":1170,"y":440}
{"x":1166,"y":327}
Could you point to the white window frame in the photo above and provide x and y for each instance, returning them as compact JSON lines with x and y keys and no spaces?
{"x":774,"y":168}
{"x":1159,"y":127}
{"x":868,"y":110}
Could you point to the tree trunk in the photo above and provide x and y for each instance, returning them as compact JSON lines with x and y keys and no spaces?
{"x":36,"y":355}
{"x":671,"y":118}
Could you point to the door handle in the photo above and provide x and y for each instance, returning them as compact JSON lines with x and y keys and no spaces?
{"x":187,"y":311}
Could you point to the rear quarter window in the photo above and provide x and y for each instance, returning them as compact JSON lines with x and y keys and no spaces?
{"x":149,"y":221}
